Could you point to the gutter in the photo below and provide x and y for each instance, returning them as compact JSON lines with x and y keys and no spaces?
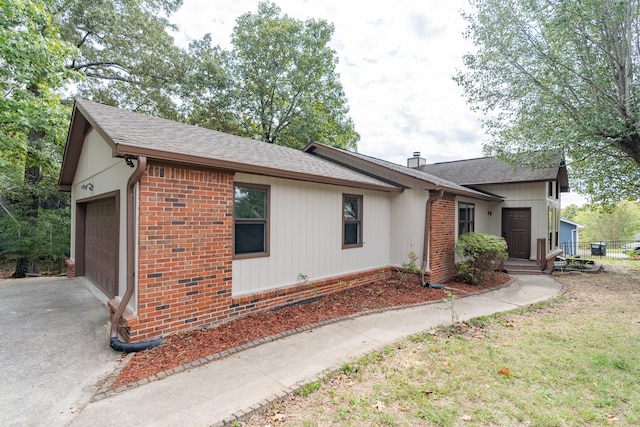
{"x":114,"y":342}
{"x":426,"y":250}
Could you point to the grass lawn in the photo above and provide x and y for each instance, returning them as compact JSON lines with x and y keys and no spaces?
{"x":572,"y":361}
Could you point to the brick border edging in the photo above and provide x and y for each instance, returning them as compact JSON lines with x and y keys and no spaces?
{"x":106,"y":391}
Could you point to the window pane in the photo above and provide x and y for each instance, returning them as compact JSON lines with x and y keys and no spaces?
{"x":352,"y":220}
{"x":250,"y":202}
{"x":352,"y":233}
{"x":462,"y":228}
{"x":250,"y":238}
{"x":351,"y":208}
{"x":466,"y":214}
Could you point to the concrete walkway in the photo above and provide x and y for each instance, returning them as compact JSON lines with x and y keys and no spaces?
{"x":221,"y":391}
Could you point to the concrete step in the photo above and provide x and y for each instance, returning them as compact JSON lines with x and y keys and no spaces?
{"x":521,"y":266}
{"x":523,"y":271}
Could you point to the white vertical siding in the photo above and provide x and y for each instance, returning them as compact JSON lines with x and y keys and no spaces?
{"x":525,"y":195}
{"x":407,"y":224}
{"x":107,"y":174}
{"x":306,"y":235}
{"x":483,"y":222}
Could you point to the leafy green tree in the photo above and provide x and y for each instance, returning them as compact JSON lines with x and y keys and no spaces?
{"x":40,"y":241}
{"x":207,"y":90}
{"x":570,"y":212}
{"x":32,"y":71}
{"x":285,"y":86}
{"x":125,"y":56}
{"x":551,"y":74}
{"x":619,"y":223}
{"x":125,"y":51}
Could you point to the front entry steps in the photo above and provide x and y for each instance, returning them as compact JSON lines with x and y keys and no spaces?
{"x":522,"y":266}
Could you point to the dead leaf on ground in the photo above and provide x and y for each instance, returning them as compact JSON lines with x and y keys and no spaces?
{"x":505,"y":372}
{"x":278,"y":417}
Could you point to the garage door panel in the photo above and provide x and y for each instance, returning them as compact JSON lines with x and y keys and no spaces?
{"x":101,"y":242}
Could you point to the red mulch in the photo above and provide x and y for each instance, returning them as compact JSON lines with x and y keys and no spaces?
{"x":185,"y":347}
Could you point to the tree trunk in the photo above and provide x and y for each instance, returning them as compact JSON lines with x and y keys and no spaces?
{"x":29,"y":206}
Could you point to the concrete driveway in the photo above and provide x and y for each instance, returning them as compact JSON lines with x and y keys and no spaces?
{"x":54,"y":349}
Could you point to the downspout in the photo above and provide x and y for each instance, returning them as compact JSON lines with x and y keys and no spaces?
{"x":115,"y":343}
{"x":426,"y":250}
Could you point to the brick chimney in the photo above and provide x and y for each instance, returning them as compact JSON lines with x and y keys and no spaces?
{"x":416,"y":161}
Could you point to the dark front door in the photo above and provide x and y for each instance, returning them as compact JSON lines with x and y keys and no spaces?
{"x":516,"y":230}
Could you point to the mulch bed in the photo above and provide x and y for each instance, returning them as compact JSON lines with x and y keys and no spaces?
{"x":190,"y":346}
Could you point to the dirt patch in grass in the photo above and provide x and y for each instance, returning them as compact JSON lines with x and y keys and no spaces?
{"x":182,"y":348}
{"x":572,"y":361}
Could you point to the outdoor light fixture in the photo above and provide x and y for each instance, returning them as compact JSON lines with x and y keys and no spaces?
{"x":88,"y":186}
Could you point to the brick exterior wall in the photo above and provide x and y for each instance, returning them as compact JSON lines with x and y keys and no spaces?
{"x":185,"y":253}
{"x":280,"y":297}
{"x":185,"y":249}
{"x":71,"y":267}
{"x":443,"y":238}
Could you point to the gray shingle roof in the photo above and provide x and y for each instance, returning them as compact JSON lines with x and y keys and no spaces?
{"x":408,"y":172}
{"x":138,"y":134}
{"x":490,"y":170}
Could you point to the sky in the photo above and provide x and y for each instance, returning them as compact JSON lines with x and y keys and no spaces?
{"x":396,"y":60}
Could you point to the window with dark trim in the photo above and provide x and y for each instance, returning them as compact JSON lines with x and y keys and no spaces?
{"x":351,"y":221}
{"x":251,"y":220}
{"x":466,"y":218}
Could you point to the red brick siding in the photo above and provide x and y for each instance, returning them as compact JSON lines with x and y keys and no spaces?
{"x":185,"y":249}
{"x":279,"y":297}
{"x":443,"y":238}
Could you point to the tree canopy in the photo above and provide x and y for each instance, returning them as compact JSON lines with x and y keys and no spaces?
{"x":277,"y":84}
{"x":621,"y":222}
{"x":561,"y":74}
{"x":125,"y":51}
{"x":32,"y":72}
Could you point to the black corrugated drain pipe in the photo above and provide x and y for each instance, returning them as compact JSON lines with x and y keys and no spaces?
{"x":114,"y":341}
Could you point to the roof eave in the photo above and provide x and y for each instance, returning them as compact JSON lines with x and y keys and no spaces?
{"x":125,"y":150}
{"x":422,"y":184}
{"x":311,"y":147}
{"x":476,"y":195}
{"x":72,"y":149}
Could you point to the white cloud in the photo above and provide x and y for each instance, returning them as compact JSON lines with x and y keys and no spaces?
{"x":396,"y":62}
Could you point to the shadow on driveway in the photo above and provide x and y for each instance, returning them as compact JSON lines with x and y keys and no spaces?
{"x":54,"y":349}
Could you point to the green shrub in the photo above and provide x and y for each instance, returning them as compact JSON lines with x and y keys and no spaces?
{"x":480,"y":255}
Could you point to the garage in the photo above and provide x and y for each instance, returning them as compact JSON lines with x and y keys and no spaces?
{"x":97,"y":243}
